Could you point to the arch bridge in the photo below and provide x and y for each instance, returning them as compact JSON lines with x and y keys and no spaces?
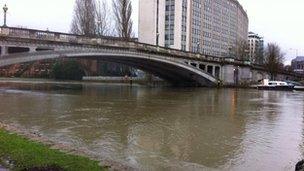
{"x":178,"y":67}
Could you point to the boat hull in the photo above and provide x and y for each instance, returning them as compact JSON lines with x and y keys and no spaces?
{"x":299,"y":88}
{"x":279,"y":88}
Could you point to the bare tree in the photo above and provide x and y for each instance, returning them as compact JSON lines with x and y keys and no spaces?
{"x":122,"y":12}
{"x":259,"y":56}
{"x":102,"y":18}
{"x":84,"y":19}
{"x":91,"y":18}
{"x":274,"y":59}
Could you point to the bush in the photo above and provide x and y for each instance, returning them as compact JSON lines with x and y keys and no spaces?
{"x":67,"y":70}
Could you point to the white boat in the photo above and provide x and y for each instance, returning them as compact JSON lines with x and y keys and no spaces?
{"x":275,"y":85}
{"x":299,"y":88}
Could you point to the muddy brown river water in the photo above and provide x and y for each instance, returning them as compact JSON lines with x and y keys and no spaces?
{"x":165,"y":128}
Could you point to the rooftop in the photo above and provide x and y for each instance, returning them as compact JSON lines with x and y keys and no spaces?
{"x":299,"y":58}
{"x":254,"y":35}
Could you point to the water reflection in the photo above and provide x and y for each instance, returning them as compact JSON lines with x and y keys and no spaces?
{"x":162,"y":128}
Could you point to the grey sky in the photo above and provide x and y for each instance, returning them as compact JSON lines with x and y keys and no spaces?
{"x":278,"y":21}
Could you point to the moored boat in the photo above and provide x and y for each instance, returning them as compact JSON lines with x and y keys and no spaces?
{"x":275,"y":85}
{"x":299,"y":88}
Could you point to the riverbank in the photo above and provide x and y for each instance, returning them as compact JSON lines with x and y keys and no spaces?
{"x":18,"y":152}
{"x":67,"y":84}
{"x":99,"y":79}
{"x":70,"y":84}
{"x":24,"y":150}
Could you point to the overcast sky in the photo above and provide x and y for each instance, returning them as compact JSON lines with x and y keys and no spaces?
{"x":278,"y":21}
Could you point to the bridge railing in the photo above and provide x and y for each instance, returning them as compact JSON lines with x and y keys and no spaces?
{"x":108,"y":41}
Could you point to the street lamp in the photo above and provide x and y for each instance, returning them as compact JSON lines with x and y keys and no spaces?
{"x":5,"y":11}
{"x":198,"y":47}
{"x":157,"y":22}
{"x":157,"y":38}
{"x":99,"y":28}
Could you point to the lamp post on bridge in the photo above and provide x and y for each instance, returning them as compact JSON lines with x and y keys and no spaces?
{"x":157,"y":23}
{"x":99,"y":28}
{"x":198,"y":47}
{"x":5,"y":9}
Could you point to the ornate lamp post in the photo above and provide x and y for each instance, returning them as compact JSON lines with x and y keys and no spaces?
{"x":5,"y":11}
{"x":198,"y":47}
{"x":99,"y":28}
{"x":157,"y":39}
{"x":157,"y":22}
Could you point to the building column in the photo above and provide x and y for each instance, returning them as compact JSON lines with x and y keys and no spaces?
{"x":3,"y":50}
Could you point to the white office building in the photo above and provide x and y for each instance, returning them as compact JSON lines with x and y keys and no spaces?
{"x":256,"y":48}
{"x":212,"y":27}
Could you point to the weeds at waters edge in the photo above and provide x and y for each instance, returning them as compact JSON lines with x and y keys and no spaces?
{"x":18,"y":153}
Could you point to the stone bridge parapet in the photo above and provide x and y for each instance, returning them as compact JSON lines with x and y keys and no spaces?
{"x":20,"y":45}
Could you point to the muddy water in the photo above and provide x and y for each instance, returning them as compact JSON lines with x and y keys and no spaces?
{"x":166,"y":128}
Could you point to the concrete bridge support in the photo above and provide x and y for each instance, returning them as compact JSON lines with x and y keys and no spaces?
{"x":245,"y":75}
{"x":3,"y":50}
{"x":236,"y":75}
{"x":229,"y":75}
{"x":259,"y":75}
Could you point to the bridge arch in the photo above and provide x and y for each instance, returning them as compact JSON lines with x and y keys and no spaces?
{"x":171,"y":69}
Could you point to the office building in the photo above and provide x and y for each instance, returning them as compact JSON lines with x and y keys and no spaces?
{"x":297,"y":64}
{"x":256,"y":48}
{"x":212,"y":27}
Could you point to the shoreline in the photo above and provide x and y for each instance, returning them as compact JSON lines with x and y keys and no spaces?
{"x":42,"y":81}
{"x":78,"y":82}
{"x":64,"y":148}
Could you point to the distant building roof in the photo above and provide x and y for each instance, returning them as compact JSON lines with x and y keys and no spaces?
{"x":254,"y":35}
{"x":298,"y":59}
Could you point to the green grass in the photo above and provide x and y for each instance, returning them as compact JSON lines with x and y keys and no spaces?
{"x":28,"y":154}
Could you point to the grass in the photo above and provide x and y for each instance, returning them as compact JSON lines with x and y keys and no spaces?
{"x":26,"y":154}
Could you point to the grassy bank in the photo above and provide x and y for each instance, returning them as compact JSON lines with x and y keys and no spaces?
{"x":22,"y":154}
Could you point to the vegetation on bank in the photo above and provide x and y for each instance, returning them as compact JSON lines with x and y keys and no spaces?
{"x":67,"y":70}
{"x":18,"y":153}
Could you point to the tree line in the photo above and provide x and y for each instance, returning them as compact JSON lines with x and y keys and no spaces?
{"x":271,"y":57}
{"x":99,"y":18}
{"x":96,"y":18}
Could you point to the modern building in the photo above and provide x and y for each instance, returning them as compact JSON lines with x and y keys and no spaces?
{"x":212,"y":27}
{"x":256,"y":48}
{"x":297,"y":64}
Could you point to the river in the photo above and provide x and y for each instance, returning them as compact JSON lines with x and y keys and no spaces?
{"x":165,"y":128}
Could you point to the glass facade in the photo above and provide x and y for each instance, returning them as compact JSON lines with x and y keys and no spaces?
{"x":211,"y":27}
{"x":184,"y":25}
{"x":169,"y":22}
{"x":196,"y":26}
{"x":220,"y":27}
